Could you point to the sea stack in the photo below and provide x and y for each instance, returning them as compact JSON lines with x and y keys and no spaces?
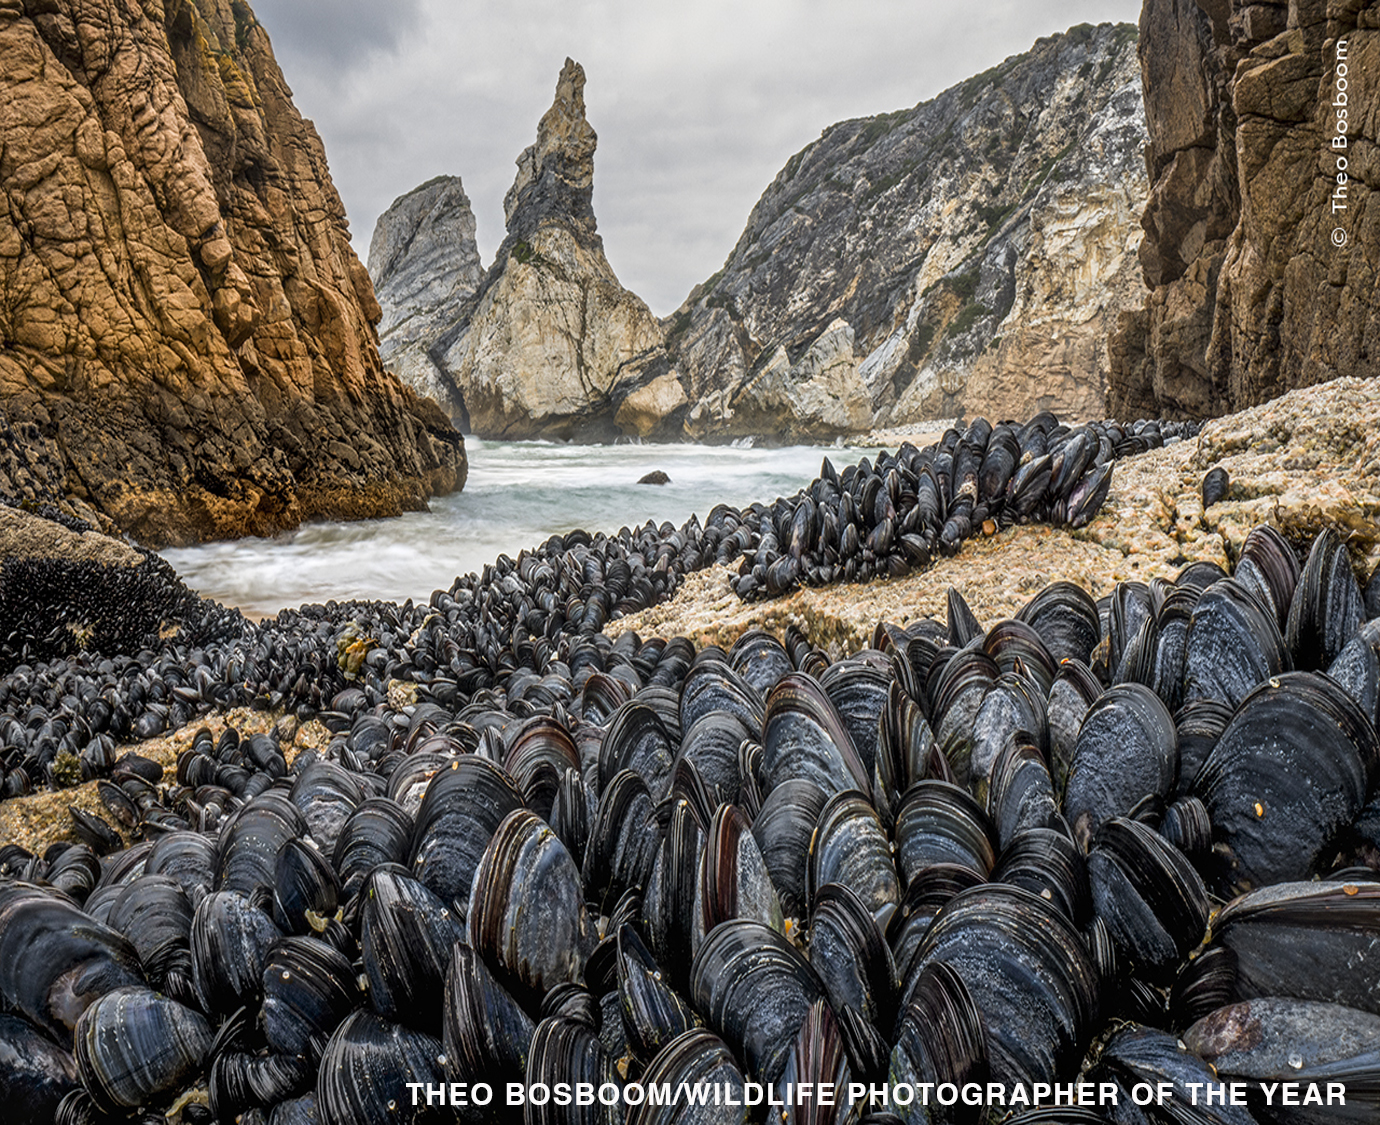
{"x":551,"y":342}
{"x":186,"y":346}
{"x":424,"y":263}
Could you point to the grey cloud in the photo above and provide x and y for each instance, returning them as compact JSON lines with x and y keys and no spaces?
{"x":336,"y":33}
{"x":697,"y":104}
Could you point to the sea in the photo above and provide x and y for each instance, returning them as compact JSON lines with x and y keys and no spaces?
{"x":517,"y":496}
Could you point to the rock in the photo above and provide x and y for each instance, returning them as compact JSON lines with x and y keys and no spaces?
{"x":550,"y":344}
{"x":1249,"y":295}
{"x":978,"y":247}
{"x":649,"y":409}
{"x":424,"y":262}
{"x":656,"y":476}
{"x":65,"y":588}
{"x":1303,"y":462}
{"x":186,"y":332}
{"x":819,"y":397}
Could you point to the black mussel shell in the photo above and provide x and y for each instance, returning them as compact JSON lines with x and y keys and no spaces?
{"x":527,"y":913}
{"x":308,"y":987}
{"x":755,"y":989}
{"x":938,"y":822}
{"x":1028,"y":973}
{"x":804,"y":736}
{"x":35,"y":1073}
{"x":850,"y":846}
{"x":134,"y":1044}
{"x":1065,"y":618}
{"x":1357,"y":669}
{"x":54,"y":960}
{"x":1216,"y":485}
{"x":378,"y":831}
{"x":230,"y":941}
{"x":1139,"y":1055}
{"x":365,"y":1069}
{"x":306,"y":891}
{"x":565,"y":1051}
{"x":1127,"y":751}
{"x":1273,"y":1040}
{"x":1046,"y":862}
{"x":1288,"y":775}
{"x":249,"y":842}
{"x":464,"y":804}
{"x":653,"y":1012}
{"x":733,"y":878}
{"x":939,"y":1036}
{"x":695,"y":1058}
{"x":486,"y":1033}
{"x":1233,"y":643}
{"x":783,"y":829}
{"x":405,"y":938}
{"x":1152,"y":900}
{"x":155,"y":913}
{"x":1308,"y":941}
{"x":1327,"y":607}
{"x":760,"y":659}
{"x":851,"y":956}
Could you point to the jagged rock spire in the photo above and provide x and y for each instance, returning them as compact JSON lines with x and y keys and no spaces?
{"x":555,"y":178}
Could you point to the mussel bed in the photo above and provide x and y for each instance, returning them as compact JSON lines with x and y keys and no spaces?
{"x":1128,"y":841}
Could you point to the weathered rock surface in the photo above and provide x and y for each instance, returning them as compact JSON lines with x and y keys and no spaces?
{"x":976,"y":248}
{"x":424,"y":262}
{"x":1257,"y":284}
{"x":550,"y":344}
{"x":186,"y":342}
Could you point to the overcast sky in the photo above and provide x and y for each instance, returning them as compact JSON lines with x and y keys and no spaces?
{"x":697,"y":103}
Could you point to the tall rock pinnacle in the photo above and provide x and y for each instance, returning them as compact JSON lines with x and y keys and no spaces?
{"x":425,"y":264}
{"x":555,"y":178}
{"x":550,"y":344}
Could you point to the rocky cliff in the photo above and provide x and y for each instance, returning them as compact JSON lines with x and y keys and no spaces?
{"x":1261,"y":242}
{"x":186,"y":341}
{"x":424,"y":262}
{"x":549,"y":343}
{"x":968,"y":255}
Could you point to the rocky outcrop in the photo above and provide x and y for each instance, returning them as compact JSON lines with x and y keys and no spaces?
{"x":186,"y":342}
{"x":424,"y":263}
{"x":550,"y":344}
{"x":66,"y":589}
{"x":1301,"y":463}
{"x":1260,"y":247}
{"x":966,"y":256}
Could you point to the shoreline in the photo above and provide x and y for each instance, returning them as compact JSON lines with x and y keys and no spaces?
{"x":1302,"y":462}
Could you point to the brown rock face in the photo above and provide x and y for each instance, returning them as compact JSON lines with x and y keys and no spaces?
{"x":186,"y":340}
{"x":1261,"y":263}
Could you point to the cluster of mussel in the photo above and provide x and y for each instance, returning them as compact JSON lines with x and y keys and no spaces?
{"x":1131,"y":840}
{"x":62,"y":719}
{"x":886,"y":519}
